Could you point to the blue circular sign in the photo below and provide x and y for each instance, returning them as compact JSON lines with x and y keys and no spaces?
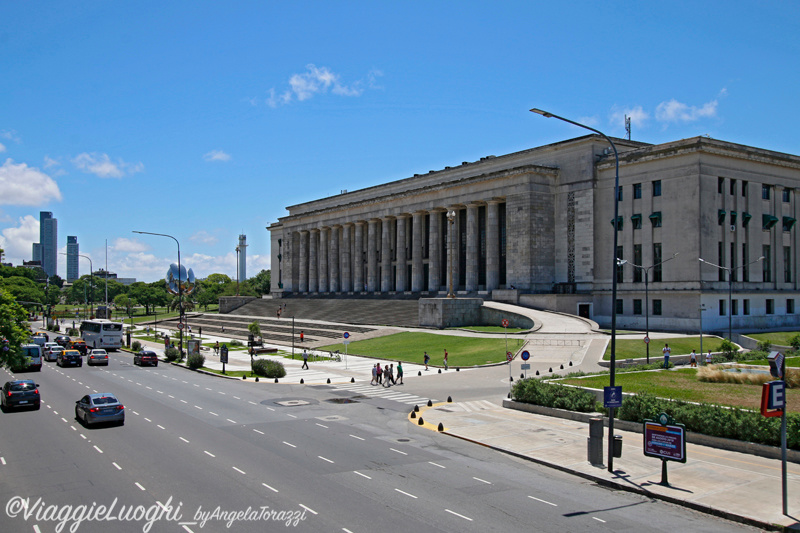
{"x":525,"y":355}
{"x":346,"y":335}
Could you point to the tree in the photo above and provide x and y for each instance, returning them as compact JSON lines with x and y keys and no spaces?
{"x":261,"y":282}
{"x":148,"y":295}
{"x":13,"y":330}
{"x":206,"y":297}
{"x":126,"y":303}
{"x":23,"y":289}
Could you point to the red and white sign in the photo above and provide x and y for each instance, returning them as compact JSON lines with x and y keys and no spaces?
{"x":509,"y":357}
{"x":646,"y":339}
{"x":180,"y":326}
{"x":505,"y":322}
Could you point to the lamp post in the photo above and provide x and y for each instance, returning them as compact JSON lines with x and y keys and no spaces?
{"x":91,"y":281}
{"x":613,"y":275}
{"x":237,"y":271}
{"x":451,"y":218}
{"x":646,"y":271}
{"x":730,"y":271}
{"x":180,"y":287}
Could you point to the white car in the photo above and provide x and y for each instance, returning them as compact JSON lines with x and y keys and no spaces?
{"x":98,"y":356}
{"x":52,"y":354}
{"x":47,"y":347}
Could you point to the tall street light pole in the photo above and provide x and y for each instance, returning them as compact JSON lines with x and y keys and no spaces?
{"x":730,"y":271}
{"x":613,"y":275}
{"x":451,"y":218}
{"x":237,"y":271}
{"x":91,"y":281}
{"x":180,"y":287}
{"x":646,"y":271}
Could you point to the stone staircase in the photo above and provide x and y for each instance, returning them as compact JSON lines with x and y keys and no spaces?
{"x":396,"y":312}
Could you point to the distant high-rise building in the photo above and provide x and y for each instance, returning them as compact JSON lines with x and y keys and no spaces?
{"x":242,"y":249}
{"x":73,"y":269}
{"x":46,"y":250}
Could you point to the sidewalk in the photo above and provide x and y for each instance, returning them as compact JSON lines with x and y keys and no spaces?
{"x":733,"y":485}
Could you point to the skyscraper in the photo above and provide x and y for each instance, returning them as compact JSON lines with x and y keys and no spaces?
{"x":46,"y":250}
{"x":242,"y":249}
{"x":73,"y":270}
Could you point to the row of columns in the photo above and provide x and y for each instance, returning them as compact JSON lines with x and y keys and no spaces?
{"x":327,"y":265}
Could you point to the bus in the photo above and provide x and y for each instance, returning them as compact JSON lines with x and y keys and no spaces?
{"x":101,"y":333}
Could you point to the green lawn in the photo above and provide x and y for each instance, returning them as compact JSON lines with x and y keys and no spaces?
{"x":682,"y":385}
{"x":781,"y":338}
{"x":410,"y":347}
{"x":790,"y":361}
{"x":635,"y":348}
{"x":492,"y":329}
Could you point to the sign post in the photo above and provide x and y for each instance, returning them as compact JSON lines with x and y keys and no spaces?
{"x":346,"y":342}
{"x":223,"y":356}
{"x":525,"y":366}
{"x":666,"y":440}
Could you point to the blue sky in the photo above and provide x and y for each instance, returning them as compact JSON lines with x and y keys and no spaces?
{"x":205,"y":120}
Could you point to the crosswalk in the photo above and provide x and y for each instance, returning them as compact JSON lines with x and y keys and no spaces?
{"x":469,"y":407}
{"x":385,"y":393}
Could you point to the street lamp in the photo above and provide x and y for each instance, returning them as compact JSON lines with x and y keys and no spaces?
{"x":237,"y":271}
{"x":451,"y":218}
{"x":613,"y":276}
{"x":91,"y":281}
{"x":180,"y":287}
{"x":646,"y":271}
{"x":730,"y":271}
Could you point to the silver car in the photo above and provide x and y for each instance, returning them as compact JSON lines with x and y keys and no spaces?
{"x":98,"y":356}
{"x":101,"y":407}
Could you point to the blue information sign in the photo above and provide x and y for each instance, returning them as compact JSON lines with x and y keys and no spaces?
{"x":612,"y":397}
{"x":525,"y":355}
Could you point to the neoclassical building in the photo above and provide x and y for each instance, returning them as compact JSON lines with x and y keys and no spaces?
{"x":536,"y":227}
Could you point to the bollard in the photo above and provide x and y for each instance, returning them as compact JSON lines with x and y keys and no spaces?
{"x":458,"y":369}
{"x":570,"y":363}
{"x":440,"y":370}
{"x":352,"y":380}
{"x":276,"y":380}
{"x":537,"y":372}
{"x":244,"y":377}
{"x":430,"y":403}
{"x":509,"y":395}
{"x":562,"y":367}
{"x":301,"y":381}
{"x":421,"y":422}
{"x":256,"y":379}
{"x":595,"y":441}
{"x":551,"y":369}
{"x":522,"y":376}
{"x":419,"y":372}
{"x":441,"y":427}
{"x":416,"y":408}
{"x":329,"y":380}
{"x":449,"y":399}
{"x":413,"y":414}
{"x":510,"y":378}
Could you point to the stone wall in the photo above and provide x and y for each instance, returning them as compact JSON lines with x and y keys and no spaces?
{"x":455,"y":312}
{"x":229,"y":303}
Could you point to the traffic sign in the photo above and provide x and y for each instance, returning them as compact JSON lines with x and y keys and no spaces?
{"x":505,"y":322}
{"x":346,"y":335}
{"x":612,"y":397}
{"x":180,"y":325}
{"x":509,"y":357}
{"x":525,"y":355}
{"x":646,"y":339}
{"x":525,"y":366}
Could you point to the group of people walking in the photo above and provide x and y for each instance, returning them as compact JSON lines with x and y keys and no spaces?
{"x":385,"y":375}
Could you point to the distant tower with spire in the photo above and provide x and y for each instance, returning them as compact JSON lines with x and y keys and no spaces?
{"x":242,"y":248}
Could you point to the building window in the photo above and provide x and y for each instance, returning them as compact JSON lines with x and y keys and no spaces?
{"x":620,"y":308}
{"x":788,"y":223}
{"x":787,"y":264}
{"x":657,"y":272}
{"x":787,"y":195}
{"x":770,"y":306}
{"x":768,"y":222}
{"x":618,"y":225}
{"x":637,"y":307}
{"x":744,"y":188}
{"x":655,"y":219}
{"x":657,"y":188}
{"x":619,"y":193}
{"x":733,"y":262}
{"x":637,"y":260}
{"x":765,"y":192}
{"x":721,"y":216}
{"x":745,"y":263}
{"x":733,"y":187}
{"x":721,"y":261}
{"x":720,"y":185}
{"x":722,"y":307}
{"x":636,"y":221}
{"x":746,"y":307}
{"x":767,"y":271}
{"x":637,"y":191}
{"x":620,"y":268}
{"x":656,"y":307}
{"x":789,"y":306}
{"x":746,"y":218}
{"x":734,"y":307}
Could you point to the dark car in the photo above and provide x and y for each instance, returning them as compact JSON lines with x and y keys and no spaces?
{"x":21,"y":393}
{"x":102,"y":407}
{"x":62,"y":340}
{"x":145,"y":357}
{"x":80,"y":345}
{"x":69,"y":357}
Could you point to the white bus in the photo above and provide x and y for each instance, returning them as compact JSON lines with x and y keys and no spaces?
{"x":101,"y":333}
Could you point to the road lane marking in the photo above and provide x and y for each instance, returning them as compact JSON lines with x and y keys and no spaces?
{"x":138,"y":485}
{"x":270,"y":488}
{"x":270,"y":408}
{"x":135,"y":412}
{"x":231,"y":421}
{"x":160,"y":426}
{"x":184,"y":401}
{"x":406,"y":493}
{"x":257,"y":431}
{"x":220,"y":392}
{"x":240,"y":471}
{"x":98,"y":449}
{"x":398,"y":451}
{"x":254,"y":403}
{"x":64,"y":419}
{"x":598,"y":519}
{"x":83,"y":436}
{"x":171,"y":396}
{"x":434,"y":464}
{"x":289,"y":444}
{"x":198,"y":407}
{"x":355,"y":437}
{"x":291,"y":415}
{"x":543,"y":501}
{"x":482,"y":480}
{"x":362,"y":475}
{"x":184,"y":440}
{"x":147,"y":419}
{"x":237,"y":397}
{"x":324,"y":459}
{"x":309,"y":509}
{"x":459,"y":515}
{"x":322,"y":425}
{"x":3,"y":460}
{"x":116,"y":466}
{"x":213,"y":413}
{"x":209,"y":453}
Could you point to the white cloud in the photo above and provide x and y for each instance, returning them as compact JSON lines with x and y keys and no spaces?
{"x":637,"y":115}
{"x":148,"y":267}
{"x":216,"y":155}
{"x":2,"y":148}
{"x":121,"y":244}
{"x":318,"y":80}
{"x":102,"y":166}
{"x":50,"y":162}
{"x":24,"y":185}
{"x":17,"y":241}
{"x":674,"y":111}
{"x":204,"y":237}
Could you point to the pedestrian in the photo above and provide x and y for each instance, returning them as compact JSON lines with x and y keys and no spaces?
{"x":708,"y":357}
{"x":190,"y":330}
{"x":425,"y":359}
{"x":693,"y":359}
{"x":302,"y":335}
{"x":374,"y":375}
{"x":391,"y":374}
{"x":379,"y":373}
{"x":223,"y":329}
{"x":386,"y":378}
{"x":666,"y":351}
{"x":399,"y":372}
{"x":305,"y":359}
{"x":216,"y":348}
{"x":279,"y":313}
{"x":445,"y":358}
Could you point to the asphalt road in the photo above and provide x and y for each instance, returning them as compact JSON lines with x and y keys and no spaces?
{"x":196,"y":450}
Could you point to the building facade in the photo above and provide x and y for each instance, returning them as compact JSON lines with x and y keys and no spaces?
{"x":46,"y":250}
{"x":73,"y":265}
{"x":536,"y":227}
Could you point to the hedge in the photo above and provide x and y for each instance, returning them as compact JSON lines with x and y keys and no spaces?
{"x":542,"y":393}
{"x":268,"y":368}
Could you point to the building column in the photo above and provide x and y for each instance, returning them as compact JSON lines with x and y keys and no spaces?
{"x":454,"y":249}
{"x":434,"y":253}
{"x":323,"y":259}
{"x":303,"y":261}
{"x":313,"y":261}
{"x":346,"y":259}
{"x":473,"y":255}
{"x":372,"y":255}
{"x":492,"y":245}
{"x":401,"y":283}
{"x":386,"y":254}
{"x":417,"y":270}
{"x":358,"y":258}
{"x":333,"y":260}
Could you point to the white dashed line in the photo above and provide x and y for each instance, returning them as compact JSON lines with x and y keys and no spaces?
{"x":231,"y":421}
{"x":362,"y":475}
{"x":406,"y":493}
{"x":599,"y":520}
{"x":398,"y":451}
{"x":213,"y":413}
{"x":135,"y":412}
{"x":482,"y":480}
{"x":355,"y":437}
{"x":270,"y":408}
{"x":116,"y":466}
{"x":322,"y":425}
{"x":434,"y":464}
{"x":160,"y":426}
{"x":209,"y":453}
{"x":270,"y":488}
{"x":184,"y":401}
{"x":184,"y":440}
{"x":171,"y":396}
{"x":289,"y":444}
{"x":325,"y":459}
{"x":459,"y":515}
{"x":198,"y":407}
{"x":291,"y":415}
{"x":257,"y":431}
{"x":252,"y":403}
{"x":98,"y":449}
{"x":309,"y":509}
{"x":3,"y":460}
{"x":64,"y":419}
{"x":240,"y":471}
{"x":237,"y":397}
{"x":147,"y":419}
{"x":83,"y":436}
{"x":138,"y":485}
{"x":543,"y":501}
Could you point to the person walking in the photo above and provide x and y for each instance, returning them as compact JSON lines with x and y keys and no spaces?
{"x":386,"y":382}
{"x":379,"y":373}
{"x":374,"y":375}
{"x":400,"y":372}
{"x":693,"y":358}
{"x":391,"y":374}
{"x":425,"y":359}
{"x":708,"y":357}
{"x":279,"y":313}
{"x":445,"y":358}
{"x":305,"y":360}
{"x":667,"y":352}
{"x":216,"y":348}
{"x":302,"y":335}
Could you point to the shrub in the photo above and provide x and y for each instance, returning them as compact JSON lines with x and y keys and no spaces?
{"x":172,"y":354}
{"x":268,"y":368}
{"x":763,"y":346}
{"x":234,"y":342}
{"x":728,"y":347}
{"x":794,"y":342}
{"x":196,"y":360}
{"x":551,"y":395}
{"x":136,"y":346}
{"x":73,"y":332}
